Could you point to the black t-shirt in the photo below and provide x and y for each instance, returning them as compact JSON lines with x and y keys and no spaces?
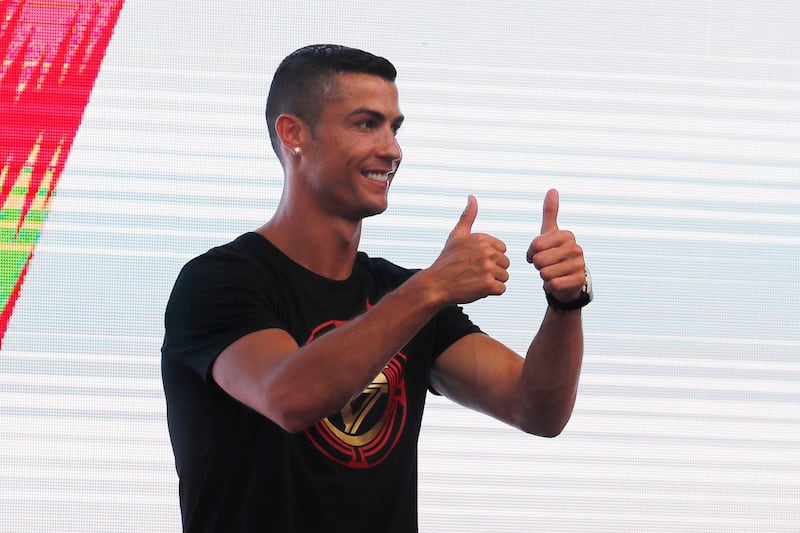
{"x":354,"y":471}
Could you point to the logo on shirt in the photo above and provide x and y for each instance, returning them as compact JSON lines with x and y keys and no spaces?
{"x":365,"y":432}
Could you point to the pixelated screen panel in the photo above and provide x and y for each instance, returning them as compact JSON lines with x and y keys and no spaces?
{"x":51,"y":54}
{"x":670,"y":130}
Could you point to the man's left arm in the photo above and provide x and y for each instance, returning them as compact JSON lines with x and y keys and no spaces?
{"x":536,"y":393}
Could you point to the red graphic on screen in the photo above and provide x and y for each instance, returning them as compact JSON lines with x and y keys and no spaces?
{"x":51,"y":54}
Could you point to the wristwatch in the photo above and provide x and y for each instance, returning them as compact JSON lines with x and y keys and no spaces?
{"x":581,"y":301}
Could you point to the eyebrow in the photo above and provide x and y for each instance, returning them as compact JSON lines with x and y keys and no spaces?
{"x":377,"y":115}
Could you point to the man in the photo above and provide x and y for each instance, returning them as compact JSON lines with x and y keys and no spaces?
{"x":274,"y":341}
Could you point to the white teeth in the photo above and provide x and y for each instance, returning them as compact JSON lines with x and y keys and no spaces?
{"x":377,"y":176}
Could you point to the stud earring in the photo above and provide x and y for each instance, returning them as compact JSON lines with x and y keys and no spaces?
{"x":297,"y":150}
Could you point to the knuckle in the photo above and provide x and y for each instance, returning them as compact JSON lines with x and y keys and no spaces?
{"x":575,"y":249}
{"x":487,"y":255}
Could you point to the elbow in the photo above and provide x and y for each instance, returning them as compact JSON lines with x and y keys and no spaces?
{"x":548,"y":431}
{"x":283,"y":409}
{"x":293,"y":426}
{"x":548,"y":423}
{"x":551,"y":433}
{"x":548,"y":417}
{"x":288,"y":421}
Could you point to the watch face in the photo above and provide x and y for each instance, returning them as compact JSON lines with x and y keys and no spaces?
{"x":587,"y":287}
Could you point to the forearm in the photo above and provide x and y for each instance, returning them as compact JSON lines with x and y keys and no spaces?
{"x":336,"y":367}
{"x":298,"y":386}
{"x":549,"y":382}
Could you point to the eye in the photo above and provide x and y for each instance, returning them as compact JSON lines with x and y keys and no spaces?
{"x":366,"y":124}
{"x":396,"y":125}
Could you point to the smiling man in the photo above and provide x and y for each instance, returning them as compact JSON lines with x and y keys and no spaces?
{"x":296,"y":367}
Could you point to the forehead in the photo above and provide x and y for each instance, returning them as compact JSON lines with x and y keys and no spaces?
{"x":356,"y":90}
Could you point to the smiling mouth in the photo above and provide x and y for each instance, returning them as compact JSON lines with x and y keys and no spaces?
{"x":382,"y":177}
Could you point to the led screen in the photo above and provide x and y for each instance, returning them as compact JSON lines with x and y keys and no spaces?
{"x":133,"y":139}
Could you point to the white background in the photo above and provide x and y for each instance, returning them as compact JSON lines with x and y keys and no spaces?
{"x":672,"y":131}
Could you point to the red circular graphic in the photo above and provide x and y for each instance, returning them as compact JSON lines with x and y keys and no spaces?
{"x":366,"y":431}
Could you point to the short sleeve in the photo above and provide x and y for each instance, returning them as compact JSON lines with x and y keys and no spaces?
{"x":451,"y":324}
{"x":214,"y":302}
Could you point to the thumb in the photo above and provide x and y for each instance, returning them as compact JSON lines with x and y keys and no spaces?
{"x":464,"y":225}
{"x":550,"y":211}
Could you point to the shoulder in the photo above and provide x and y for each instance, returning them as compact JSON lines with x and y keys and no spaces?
{"x":219,"y":296}
{"x":386,"y":270}
{"x":220,"y":272}
{"x":244,"y":248}
{"x":244,"y":253}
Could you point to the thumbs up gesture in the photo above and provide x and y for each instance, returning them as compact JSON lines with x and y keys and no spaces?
{"x":471,"y":265}
{"x":556,"y":255}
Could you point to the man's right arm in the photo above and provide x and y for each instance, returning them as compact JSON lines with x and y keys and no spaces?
{"x":296,"y":386}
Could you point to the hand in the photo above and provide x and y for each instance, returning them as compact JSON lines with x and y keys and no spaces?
{"x":471,"y":265}
{"x":557,"y":256}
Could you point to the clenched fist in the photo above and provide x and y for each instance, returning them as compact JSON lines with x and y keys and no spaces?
{"x":472,"y":265}
{"x":556,"y":255}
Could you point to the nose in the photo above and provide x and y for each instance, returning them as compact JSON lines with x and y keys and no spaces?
{"x":399,"y":155}
{"x":390,"y":148}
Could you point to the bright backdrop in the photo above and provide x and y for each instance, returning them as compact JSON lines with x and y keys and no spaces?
{"x":672,"y":131}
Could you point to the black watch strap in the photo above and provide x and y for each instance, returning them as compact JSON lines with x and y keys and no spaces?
{"x":579,"y":302}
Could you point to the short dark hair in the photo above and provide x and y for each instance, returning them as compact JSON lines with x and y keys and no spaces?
{"x":305,"y":80}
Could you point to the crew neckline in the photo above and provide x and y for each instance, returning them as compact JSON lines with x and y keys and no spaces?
{"x":281,"y":255}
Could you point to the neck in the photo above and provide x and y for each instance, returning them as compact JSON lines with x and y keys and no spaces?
{"x":324,"y":245}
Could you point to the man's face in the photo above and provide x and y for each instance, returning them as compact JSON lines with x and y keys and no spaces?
{"x":353,"y":153}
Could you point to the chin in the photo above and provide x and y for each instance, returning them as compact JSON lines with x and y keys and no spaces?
{"x":373,"y":212}
{"x":375,"y":209}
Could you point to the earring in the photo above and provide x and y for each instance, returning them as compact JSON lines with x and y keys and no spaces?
{"x":297,"y":150}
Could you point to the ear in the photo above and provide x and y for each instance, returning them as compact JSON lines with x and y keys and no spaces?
{"x":291,"y":131}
